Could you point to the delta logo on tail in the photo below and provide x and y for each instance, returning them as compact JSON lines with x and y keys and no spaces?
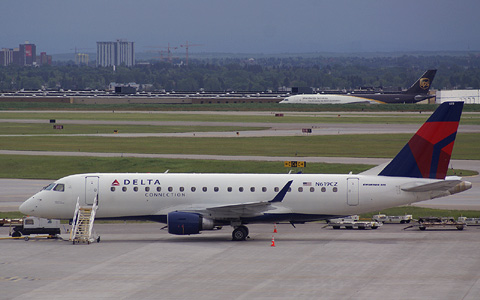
{"x":428,"y":152}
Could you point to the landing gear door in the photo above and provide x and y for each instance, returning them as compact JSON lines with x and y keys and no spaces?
{"x":352,"y":191}
{"x":91,"y":189}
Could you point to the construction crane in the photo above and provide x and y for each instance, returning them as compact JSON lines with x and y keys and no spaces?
{"x":77,"y":49}
{"x":169,"y":51}
{"x":186,"y":46}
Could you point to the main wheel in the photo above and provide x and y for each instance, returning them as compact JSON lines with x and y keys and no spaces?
{"x":240,"y":233}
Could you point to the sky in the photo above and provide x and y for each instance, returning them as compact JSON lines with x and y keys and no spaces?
{"x":244,"y":26}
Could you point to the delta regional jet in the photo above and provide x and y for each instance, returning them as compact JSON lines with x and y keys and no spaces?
{"x":190,"y":203}
{"x":417,"y":92}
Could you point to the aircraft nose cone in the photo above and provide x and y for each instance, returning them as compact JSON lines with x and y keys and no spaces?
{"x":28,"y":206}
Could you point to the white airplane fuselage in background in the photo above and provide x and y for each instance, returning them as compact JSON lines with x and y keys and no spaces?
{"x":419,"y":91}
{"x":326,"y":99}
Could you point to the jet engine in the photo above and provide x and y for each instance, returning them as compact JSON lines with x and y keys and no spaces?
{"x":183,"y":223}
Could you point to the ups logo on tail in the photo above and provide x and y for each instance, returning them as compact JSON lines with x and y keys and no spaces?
{"x":424,"y":83}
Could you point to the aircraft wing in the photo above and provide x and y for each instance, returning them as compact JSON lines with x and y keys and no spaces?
{"x":248,"y":209}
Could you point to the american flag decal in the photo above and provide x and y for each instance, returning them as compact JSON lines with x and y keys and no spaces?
{"x":307,"y":184}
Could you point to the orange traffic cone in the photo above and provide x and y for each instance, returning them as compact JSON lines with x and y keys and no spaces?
{"x":274,"y":228}
{"x":273,"y":242}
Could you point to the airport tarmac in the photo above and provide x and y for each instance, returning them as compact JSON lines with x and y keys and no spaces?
{"x":141,"y":261}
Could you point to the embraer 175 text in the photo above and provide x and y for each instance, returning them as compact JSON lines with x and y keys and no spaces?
{"x":190,"y":203}
{"x":417,"y":92}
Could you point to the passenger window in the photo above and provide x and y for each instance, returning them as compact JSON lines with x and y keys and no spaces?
{"x":59,"y":187}
{"x":252,"y":189}
{"x":300,"y":189}
{"x":182,"y":189}
{"x":276,"y":189}
{"x":193,"y":189}
{"x":289,"y":190}
{"x":240,"y":189}
{"x":124,"y":189}
{"x":159,"y":189}
{"x":204,"y":189}
{"x":229,"y":189}
{"x":147,"y":189}
{"x":324,"y":189}
{"x":135,"y":189}
{"x":312,"y":189}
{"x":112,"y":189}
{"x":264,"y":189}
{"x":170,"y":189}
{"x":215,"y":189}
{"x":335,"y":189}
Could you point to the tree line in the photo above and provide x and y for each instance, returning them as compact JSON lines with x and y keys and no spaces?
{"x":254,"y":74}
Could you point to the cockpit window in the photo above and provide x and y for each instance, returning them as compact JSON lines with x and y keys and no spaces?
{"x":49,"y":187}
{"x":59,"y":187}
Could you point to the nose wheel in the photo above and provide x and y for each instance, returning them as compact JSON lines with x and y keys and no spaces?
{"x":240,"y":233}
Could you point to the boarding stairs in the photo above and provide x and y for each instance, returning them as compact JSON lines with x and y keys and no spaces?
{"x":82,"y":224}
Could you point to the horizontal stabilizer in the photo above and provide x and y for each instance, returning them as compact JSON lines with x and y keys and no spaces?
{"x":452,"y":186}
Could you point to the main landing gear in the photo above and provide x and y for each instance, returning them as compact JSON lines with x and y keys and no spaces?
{"x":240,"y":233}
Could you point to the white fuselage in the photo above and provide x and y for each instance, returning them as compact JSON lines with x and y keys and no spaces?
{"x":326,"y":99}
{"x":311,"y":196}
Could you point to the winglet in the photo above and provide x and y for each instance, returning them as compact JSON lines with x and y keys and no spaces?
{"x":279,"y":197}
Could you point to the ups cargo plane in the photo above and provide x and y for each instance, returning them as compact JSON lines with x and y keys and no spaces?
{"x":417,"y":92}
{"x":190,"y":203}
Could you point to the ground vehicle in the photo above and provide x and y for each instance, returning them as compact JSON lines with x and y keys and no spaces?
{"x":392,"y":219}
{"x":436,"y":222}
{"x":349,"y":224}
{"x":34,"y":225}
{"x":469,"y":221}
{"x":10,"y":222}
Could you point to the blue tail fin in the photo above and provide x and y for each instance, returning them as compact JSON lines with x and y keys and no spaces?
{"x":428,"y":152}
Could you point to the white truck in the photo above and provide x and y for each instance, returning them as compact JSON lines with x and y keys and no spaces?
{"x":392,"y":219}
{"x":34,"y":225}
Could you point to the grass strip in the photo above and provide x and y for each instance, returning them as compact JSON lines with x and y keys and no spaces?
{"x":48,"y":167}
{"x":374,"y":145}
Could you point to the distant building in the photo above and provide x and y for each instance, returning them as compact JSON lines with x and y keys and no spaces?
{"x":467,"y":96}
{"x":28,"y":54}
{"x":44,"y":59}
{"x":81,"y":59}
{"x":115,"y":53}
{"x":6,"y":57}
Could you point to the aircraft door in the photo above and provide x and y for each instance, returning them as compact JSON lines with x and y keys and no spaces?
{"x":91,"y":189}
{"x":352,"y":191}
